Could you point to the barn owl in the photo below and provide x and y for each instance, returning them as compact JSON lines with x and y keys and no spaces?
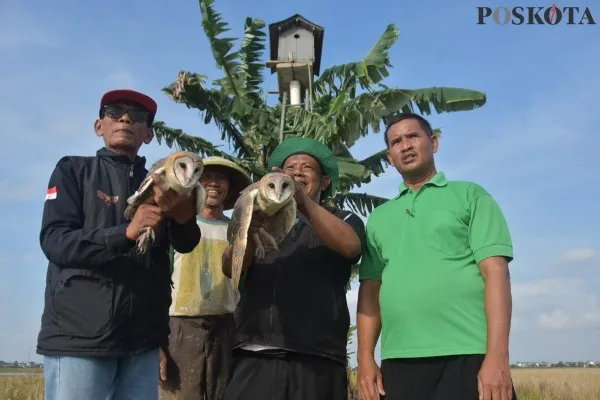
{"x":274,"y":196}
{"x":179,"y":171}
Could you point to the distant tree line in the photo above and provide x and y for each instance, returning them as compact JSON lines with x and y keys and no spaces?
{"x":19,"y":364}
{"x":559,"y":364}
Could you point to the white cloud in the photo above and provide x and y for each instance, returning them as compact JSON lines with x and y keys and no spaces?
{"x":547,"y":315}
{"x":580,"y":255}
{"x":593,"y":317}
{"x":557,"y":319}
{"x":581,"y":258}
{"x":560,"y":303}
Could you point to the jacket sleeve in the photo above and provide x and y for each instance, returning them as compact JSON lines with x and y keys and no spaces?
{"x":62,"y":237}
{"x":184,"y":237}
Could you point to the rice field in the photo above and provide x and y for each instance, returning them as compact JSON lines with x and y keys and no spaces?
{"x":24,"y":387}
{"x":557,"y":383}
{"x":548,"y":383}
{"x":531,"y":384}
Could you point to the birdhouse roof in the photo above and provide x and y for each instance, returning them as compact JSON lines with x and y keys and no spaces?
{"x":276,"y":28}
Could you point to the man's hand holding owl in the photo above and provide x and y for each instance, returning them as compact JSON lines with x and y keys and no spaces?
{"x":147,"y":215}
{"x":180,"y":208}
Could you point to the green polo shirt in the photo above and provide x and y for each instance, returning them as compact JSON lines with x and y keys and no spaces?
{"x":425,"y":248}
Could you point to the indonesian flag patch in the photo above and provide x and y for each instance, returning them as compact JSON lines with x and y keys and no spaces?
{"x":51,"y":193}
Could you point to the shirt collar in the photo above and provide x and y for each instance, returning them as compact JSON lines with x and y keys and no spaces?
{"x":438,"y":180}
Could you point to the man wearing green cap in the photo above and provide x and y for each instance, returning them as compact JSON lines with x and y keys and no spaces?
{"x":196,"y":365}
{"x":292,"y":319}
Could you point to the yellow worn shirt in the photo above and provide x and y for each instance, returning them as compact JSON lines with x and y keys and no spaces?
{"x":200,"y":287}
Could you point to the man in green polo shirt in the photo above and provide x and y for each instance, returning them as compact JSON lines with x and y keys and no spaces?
{"x":434,"y":281}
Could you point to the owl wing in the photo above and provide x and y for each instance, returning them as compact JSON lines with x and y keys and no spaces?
{"x":144,"y":190}
{"x":237,"y":231}
{"x":200,"y":198}
{"x":282,"y":222}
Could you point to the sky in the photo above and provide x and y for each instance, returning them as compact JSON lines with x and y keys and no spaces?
{"x":531,"y":146}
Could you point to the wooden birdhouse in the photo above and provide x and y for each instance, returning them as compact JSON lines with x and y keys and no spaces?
{"x":296,"y":45}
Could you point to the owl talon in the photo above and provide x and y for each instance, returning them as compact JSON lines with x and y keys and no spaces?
{"x":145,"y":239}
{"x":260,"y":250}
{"x":269,"y":238}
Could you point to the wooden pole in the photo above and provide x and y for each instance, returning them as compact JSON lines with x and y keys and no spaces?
{"x":282,"y":122}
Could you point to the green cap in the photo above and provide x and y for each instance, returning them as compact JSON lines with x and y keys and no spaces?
{"x":313,"y":148}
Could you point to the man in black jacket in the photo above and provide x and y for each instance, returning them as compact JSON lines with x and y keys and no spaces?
{"x":106,"y":312}
{"x":292,"y":319}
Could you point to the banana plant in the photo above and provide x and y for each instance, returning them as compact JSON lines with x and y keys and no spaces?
{"x":350,"y":101}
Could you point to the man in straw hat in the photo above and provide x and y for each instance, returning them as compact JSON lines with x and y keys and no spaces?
{"x":197,"y":362}
{"x":292,"y":320}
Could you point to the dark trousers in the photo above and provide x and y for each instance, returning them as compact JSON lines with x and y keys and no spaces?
{"x":200,"y":357}
{"x":432,"y":378}
{"x":286,"y":376}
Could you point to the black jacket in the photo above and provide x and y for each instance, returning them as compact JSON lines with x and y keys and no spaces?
{"x":100,"y":298}
{"x":296,"y":298}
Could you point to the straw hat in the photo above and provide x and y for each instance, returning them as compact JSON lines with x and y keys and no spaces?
{"x":240,"y":178}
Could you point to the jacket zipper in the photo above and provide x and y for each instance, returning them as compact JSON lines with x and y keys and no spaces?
{"x":132,"y":297}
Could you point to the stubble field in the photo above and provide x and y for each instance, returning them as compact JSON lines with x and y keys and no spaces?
{"x":551,"y":384}
{"x":531,"y":384}
{"x":557,"y":383}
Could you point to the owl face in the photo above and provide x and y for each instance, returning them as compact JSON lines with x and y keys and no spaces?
{"x":277,"y":187}
{"x":187,"y":170}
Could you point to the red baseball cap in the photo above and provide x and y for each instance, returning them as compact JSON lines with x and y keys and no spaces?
{"x":127,"y":94}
